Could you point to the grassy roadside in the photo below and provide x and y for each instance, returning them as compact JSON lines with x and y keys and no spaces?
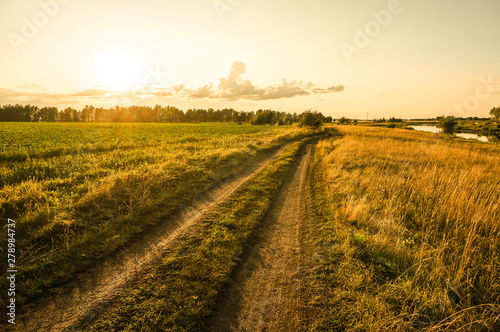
{"x":180,"y":294}
{"x":79,"y":206}
{"x":407,"y":229}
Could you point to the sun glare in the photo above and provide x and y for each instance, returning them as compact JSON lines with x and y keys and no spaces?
{"x":119,"y":71}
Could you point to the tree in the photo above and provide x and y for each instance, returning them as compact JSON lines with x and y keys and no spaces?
{"x":76,"y":116}
{"x":29,"y":112}
{"x":495,"y":113}
{"x":88,"y":113}
{"x":394,"y":120}
{"x":448,"y":124}
{"x":312,"y":119}
{"x":10,"y":113}
{"x":287,"y":119}
{"x":49,"y":114}
{"x":344,"y":121}
{"x":264,"y":117}
{"x":101,"y":115}
{"x":66,"y":115}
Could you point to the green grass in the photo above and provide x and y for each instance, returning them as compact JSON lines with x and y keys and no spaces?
{"x":181,"y":292}
{"x":485,"y":128}
{"x":22,"y":141}
{"x":80,"y":191}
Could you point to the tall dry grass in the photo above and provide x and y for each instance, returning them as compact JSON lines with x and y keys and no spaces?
{"x":411,"y":237}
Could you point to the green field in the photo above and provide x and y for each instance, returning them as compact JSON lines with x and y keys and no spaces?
{"x":80,"y":191}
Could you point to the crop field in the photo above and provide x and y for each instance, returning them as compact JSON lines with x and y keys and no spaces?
{"x":80,"y":191}
{"x":408,"y":230}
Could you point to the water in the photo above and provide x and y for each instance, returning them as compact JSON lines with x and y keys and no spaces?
{"x":429,"y":129}
{"x":434,"y":129}
{"x":473,"y":136}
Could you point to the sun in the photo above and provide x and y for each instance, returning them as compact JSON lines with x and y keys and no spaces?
{"x":119,"y":71}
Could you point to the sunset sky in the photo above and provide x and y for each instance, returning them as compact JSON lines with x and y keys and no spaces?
{"x":407,"y":59}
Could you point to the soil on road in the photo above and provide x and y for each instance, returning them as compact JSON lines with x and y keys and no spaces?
{"x":267,"y":293}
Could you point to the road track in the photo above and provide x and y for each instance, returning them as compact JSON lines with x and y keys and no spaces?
{"x":90,"y":292}
{"x":266,"y":292}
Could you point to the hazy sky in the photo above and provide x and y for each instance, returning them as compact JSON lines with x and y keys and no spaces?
{"x":409,"y":59}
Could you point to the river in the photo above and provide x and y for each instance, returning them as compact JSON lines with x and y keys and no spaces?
{"x":434,"y":129}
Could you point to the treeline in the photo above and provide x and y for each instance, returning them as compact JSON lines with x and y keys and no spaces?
{"x":495,"y":113}
{"x":393,"y":120}
{"x":170,"y":114}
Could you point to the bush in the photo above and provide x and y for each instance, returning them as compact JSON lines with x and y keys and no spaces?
{"x":344,"y":121}
{"x":448,"y":124}
{"x":495,"y":113}
{"x":313,"y":119}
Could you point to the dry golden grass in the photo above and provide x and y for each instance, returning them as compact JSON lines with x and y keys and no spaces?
{"x":410,"y":236}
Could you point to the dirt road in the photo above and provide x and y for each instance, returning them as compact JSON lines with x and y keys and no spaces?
{"x":90,"y":292}
{"x":266,"y":292}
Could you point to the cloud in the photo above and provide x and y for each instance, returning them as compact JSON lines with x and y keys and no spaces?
{"x":45,"y":93}
{"x":203,"y":92}
{"x":284,"y":90}
{"x":338,"y":88}
{"x":231,"y":88}
{"x":178,"y":88}
{"x":32,"y":87}
{"x":163,"y":93}
{"x":90,"y":93}
{"x":318,"y":90}
{"x":234,"y":87}
{"x":34,"y":94}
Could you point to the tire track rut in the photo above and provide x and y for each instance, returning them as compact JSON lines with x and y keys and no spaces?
{"x":266,"y":292}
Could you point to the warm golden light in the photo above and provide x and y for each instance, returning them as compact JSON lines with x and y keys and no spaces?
{"x":358,"y":59}
{"x":119,"y":71}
